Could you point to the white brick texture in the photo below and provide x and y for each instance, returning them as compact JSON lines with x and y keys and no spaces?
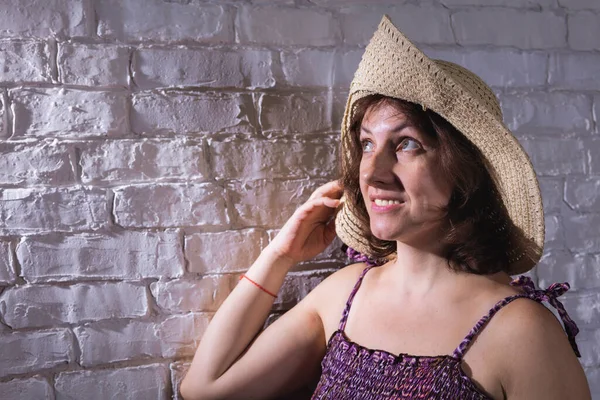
{"x":68,"y":113}
{"x":163,"y":21}
{"x":93,"y":65}
{"x":25,"y":61}
{"x":35,"y":351}
{"x":155,"y":68}
{"x":144,"y":382}
{"x":53,"y":209}
{"x":123,"y":255}
{"x":45,"y":18}
{"x":32,"y":388}
{"x":189,"y":113}
{"x":151,"y":149}
{"x":126,"y":161}
{"x":165,"y":205}
{"x":44,"y":305}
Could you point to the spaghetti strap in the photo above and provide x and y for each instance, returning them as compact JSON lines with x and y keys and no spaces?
{"x":549,"y":295}
{"x":358,"y":257}
{"x":351,"y":297}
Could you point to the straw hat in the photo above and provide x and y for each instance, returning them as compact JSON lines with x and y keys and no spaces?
{"x":392,"y":66}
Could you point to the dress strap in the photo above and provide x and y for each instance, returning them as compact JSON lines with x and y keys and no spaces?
{"x":549,"y":295}
{"x":358,"y":257}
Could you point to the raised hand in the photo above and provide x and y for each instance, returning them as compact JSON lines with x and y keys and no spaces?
{"x":312,"y":227}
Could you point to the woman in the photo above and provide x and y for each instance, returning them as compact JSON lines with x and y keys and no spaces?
{"x":440,"y":206}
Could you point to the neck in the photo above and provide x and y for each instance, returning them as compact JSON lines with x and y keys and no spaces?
{"x":420,"y":271}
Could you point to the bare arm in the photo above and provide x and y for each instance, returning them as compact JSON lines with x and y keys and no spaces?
{"x":228,"y":364}
{"x":537,"y":361}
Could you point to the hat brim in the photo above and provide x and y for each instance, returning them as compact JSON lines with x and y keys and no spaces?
{"x":393,"y":66}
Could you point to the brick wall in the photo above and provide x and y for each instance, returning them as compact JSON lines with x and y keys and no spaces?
{"x":150,"y":149}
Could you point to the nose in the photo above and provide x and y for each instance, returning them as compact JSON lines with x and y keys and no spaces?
{"x":377,"y":168}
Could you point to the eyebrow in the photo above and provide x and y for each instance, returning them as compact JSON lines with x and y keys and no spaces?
{"x":395,"y":129}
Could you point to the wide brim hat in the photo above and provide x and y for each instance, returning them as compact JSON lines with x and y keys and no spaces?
{"x":393,"y":66}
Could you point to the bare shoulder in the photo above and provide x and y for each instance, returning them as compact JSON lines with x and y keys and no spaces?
{"x":533,"y":355}
{"x":329,"y":297}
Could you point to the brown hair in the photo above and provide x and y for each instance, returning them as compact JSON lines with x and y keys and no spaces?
{"x":480,"y":238}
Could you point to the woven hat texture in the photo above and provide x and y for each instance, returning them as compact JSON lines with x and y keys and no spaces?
{"x":393,"y":66}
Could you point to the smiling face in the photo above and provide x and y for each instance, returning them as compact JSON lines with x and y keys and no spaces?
{"x":400,"y":178}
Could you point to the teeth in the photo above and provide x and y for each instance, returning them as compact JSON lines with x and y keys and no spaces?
{"x":380,"y":202}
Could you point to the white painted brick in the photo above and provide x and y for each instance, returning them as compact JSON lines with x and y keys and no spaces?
{"x":504,"y":3}
{"x":552,"y":194}
{"x":359,"y":23}
{"x":583,"y":194}
{"x":32,"y":163}
{"x":336,"y":3}
{"x":279,"y":158}
{"x":53,"y":209}
{"x":108,"y":341}
{"x":178,"y":372}
{"x":111,"y":341}
{"x":24,"y":352}
{"x":93,"y":65}
{"x":44,"y":18}
{"x":170,"y":205}
{"x":528,"y":29}
{"x":222,"y":252}
{"x":574,"y":71}
{"x":588,"y":342}
{"x":584,"y":31}
{"x":286,"y":26}
{"x":68,"y":113}
{"x":554,"y":233}
{"x":593,"y":150}
{"x":555,"y":156}
{"x":580,"y":4}
{"x":203,"y":294}
{"x":308,"y":67}
{"x":7,"y":269}
{"x":24,"y":61}
{"x":143,"y":160}
{"x":179,"y":335}
{"x":268,"y":203}
{"x":346,"y":64}
{"x":4,"y":124}
{"x":32,"y":388}
{"x":547,"y":113}
{"x":499,"y":68}
{"x":164,"y":21}
{"x":580,"y":270}
{"x":294,"y":113}
{"x":41,"y":305}
{"x":583,"y":233}
{"x":175,"y":67}
{"x":596,"y":113}
{"x":593,"y":378}
{"x":583,"y":307}
{"x":190,"y":113}
{"x":115,"y":255}
{"x":143,"y":382}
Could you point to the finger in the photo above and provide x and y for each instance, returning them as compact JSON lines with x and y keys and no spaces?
{"x":330,"y":189}
{"x":323,"y":203}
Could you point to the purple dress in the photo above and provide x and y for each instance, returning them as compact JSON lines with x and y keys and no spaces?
{"x":351,"y":371}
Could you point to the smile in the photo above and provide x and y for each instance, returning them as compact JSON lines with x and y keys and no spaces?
{"x":379,"y":205}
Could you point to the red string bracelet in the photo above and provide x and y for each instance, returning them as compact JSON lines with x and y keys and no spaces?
{"x":258,"y":286}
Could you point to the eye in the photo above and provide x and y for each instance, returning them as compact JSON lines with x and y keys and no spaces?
{"x":366,"y":145}
{"x":409,"y":144}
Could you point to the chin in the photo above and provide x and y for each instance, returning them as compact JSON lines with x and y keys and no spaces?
{"x":384,"y":234}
